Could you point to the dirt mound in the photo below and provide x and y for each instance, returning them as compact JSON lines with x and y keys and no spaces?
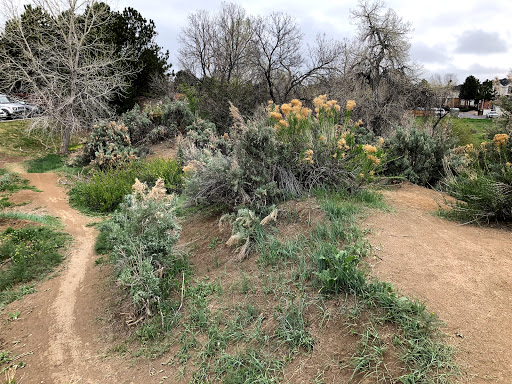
{"x":14,"y":223}
{"x":462,"y":272}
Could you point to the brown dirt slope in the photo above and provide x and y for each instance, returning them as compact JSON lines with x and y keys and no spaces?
{"x":463,"y":273}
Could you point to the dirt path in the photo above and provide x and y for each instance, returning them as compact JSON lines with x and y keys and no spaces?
{"x":56,"y":328}
{"x":65,"y":343}
{"x":61,"y":333}
{"x":59,"y":343}
{"x":464,"y":273}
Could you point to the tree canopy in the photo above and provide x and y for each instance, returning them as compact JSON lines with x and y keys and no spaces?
{"x":469,"y":89}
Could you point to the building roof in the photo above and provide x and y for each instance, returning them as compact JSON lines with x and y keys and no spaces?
{"x":504,"y":81}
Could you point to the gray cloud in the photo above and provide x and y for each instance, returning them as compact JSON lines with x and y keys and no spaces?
{"x":481,"y":42}
{"x":423,"y":53}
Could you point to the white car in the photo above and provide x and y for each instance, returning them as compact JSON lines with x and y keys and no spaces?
{"x":492,"y":114}
{"x":12,"y":108}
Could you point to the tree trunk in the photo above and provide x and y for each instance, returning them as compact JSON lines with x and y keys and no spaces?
{"x":66,"y":137}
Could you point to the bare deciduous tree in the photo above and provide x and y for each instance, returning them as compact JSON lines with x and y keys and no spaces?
{"x":384,"y":44}
{"x":379,"y":74}
{"x":231,"y":45}
{"x":217,"y":45}
{"x":282,"y":61}
{"x":52,"y":52}
{"x":442,"y":87}
{"x":196,"y":39}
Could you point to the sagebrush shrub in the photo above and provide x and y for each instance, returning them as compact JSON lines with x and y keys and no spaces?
{"x":284,"y":152}
{"x":417,"y":155}
{"x":177,"y":114}
{"x":142,"y":234}
{"x":114,"y":143}
{"x":482,"y":181}
{"x":138,"y":123}
{"x":109,"y":146}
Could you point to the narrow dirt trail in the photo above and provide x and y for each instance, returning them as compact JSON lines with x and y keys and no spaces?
{"x":462,"y":272}
{"x":65,"y":343}
{"x":57,"y":333}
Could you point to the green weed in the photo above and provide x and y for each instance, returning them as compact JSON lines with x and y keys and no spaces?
{"x":103,"y":191}
{"x":292,"y":326}
{"x":9,"y":295}
{"x":29,"y":253}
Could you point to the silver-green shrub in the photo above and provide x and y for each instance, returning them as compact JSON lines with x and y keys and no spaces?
{"x":142,"y":234}
{"x":283,"y":152}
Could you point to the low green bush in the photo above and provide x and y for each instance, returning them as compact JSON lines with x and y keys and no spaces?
{"x":103,"y":191}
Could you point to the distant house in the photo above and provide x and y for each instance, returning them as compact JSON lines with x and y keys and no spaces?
{"x":453,"y":100}
{"x":503,"y":87}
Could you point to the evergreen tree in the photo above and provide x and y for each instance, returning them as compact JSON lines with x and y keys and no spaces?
{"x":469,"y":90}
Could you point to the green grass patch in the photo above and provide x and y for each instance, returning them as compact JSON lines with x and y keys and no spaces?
{"x":50,"y":162}
{"x":103,"y":191}
{"x":470,"y":131}
{"x":418,"y":338}
{"x":12,"y":182}
{"x":27,"y":254}
{"x":42,"y":219}
{"x":15,"y":139}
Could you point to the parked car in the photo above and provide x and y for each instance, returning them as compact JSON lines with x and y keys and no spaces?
{"x":454,"y":112}
{"x":439,"y":111}
{"x":492,"y":114}
{"x":12,"y":108}
{"x":30,"y":110}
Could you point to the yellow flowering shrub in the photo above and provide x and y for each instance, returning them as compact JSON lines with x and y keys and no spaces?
{"x":369,"y":148}
{"x":500,"y":140}
{"x":350,"y":105}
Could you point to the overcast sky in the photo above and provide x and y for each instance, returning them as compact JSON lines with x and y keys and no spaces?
{"x":461,"y":37}
{"x":465,"y":38}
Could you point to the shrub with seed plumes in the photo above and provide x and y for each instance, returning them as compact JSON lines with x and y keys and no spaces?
{"x":109,"y":146}
{"x":142,"y":235}
{"x":481,"y":181}
{"x":286,"y":151}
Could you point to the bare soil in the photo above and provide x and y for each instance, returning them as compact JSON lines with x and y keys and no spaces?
{"x":462,"y":272}
{"x":65,"y":332}
{"x":57,"y":333}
